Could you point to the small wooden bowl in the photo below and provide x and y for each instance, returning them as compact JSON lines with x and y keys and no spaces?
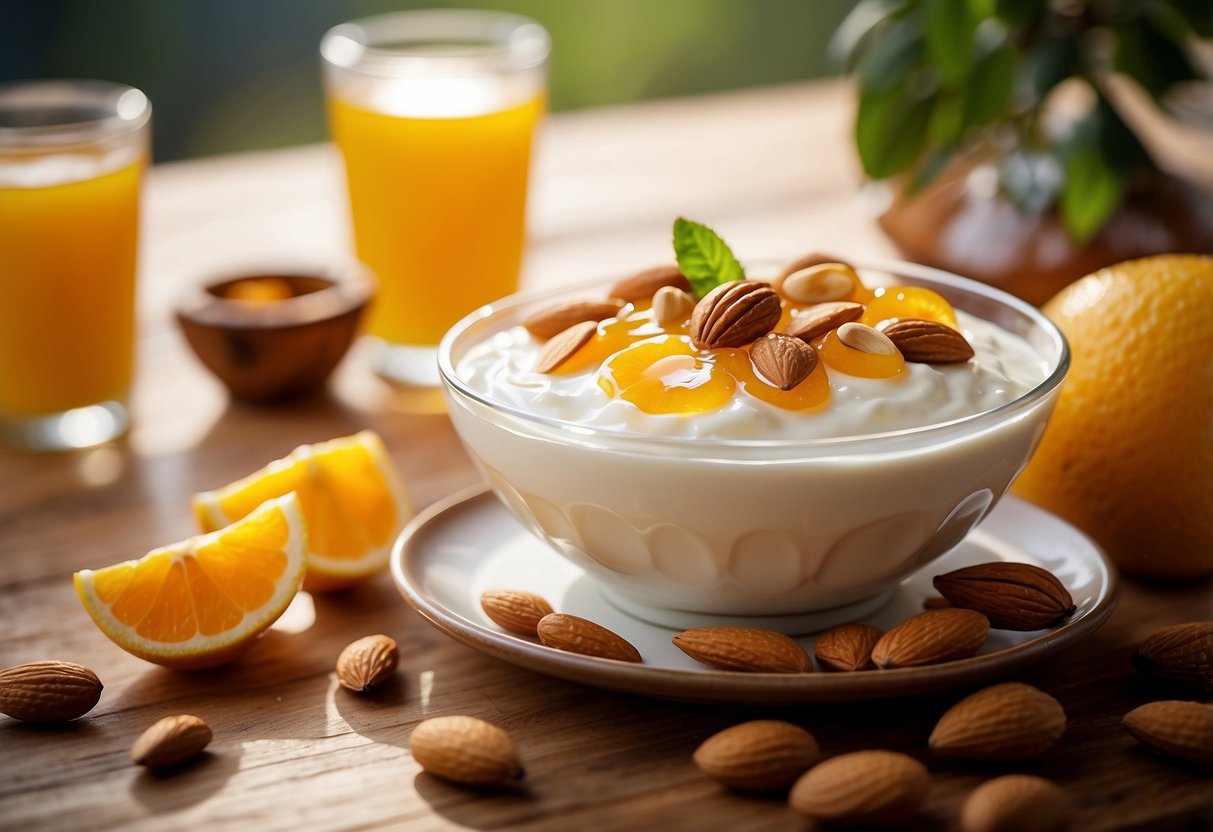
{"x":274,"y":336}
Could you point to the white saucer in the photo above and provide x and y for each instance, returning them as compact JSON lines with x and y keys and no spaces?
{"x":470,"y":542}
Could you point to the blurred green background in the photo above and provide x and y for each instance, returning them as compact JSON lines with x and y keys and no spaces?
{"x":230,"y":75}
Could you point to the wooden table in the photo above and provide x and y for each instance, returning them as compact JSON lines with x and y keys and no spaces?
{"x":773,"y":171}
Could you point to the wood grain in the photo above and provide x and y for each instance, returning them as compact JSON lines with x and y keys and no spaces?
{"x":292,"y":751}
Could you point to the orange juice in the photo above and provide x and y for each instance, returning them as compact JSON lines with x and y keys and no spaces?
{"x":438,"y":208}
{"x":67,"y":292}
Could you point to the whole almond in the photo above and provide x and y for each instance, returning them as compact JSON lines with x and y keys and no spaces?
{"x":1017,"y":803}
{"x":1011,"y":721}
{"x":819,"y":284}
{"x":931,"y":637}
{"x":171,"y":741}
{"x":735,"y":314}
{"x":758,"y":756}
{"x":1183,"y":730}
{"x":822,"y":318}
{"x":928,"y":342}
{"x":804,"y":261}
{"x":1014,"y":596}
{"x":367,"y":662}
{"x":862,"y":788}
{"x":864,"y":338}
{"x":49,"y":691}
{"x":515,"y":610}
{"x":560,"y":348}
{"x":671,"y":304}
{"x":746,"y":649}
{"x":846,"y":647}
{"x":579,"y":635}
{"x":1182,"y":653}
{"x":465,"y":750}
{"x":783,"y":360}
{"x":550,"y":322}
{"x":644,"y":284}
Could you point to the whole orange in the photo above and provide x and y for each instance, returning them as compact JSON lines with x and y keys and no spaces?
{"x":1128,"y":454}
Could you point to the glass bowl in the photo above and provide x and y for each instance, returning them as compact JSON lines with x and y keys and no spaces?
{"x":801,"y":532}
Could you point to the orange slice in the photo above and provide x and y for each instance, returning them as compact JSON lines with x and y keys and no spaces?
{"x":203,"y":601}
{"x":351,"y":497}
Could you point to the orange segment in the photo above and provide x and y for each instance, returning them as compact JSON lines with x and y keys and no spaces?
{"x":897,"y":302}
{"x":351,"y":499}
{"x":855,"y":362}
{"x":667,"y":375}
{"x":203,"y":601}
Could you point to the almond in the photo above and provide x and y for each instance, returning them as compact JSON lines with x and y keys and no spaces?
{"x":1017,"y":803}
{"x":579,"y":635}
{"x":819,"y":284}
{"x":735,"y":314}
{"x":862,"y":788}
{"x":550,"y":322}
{"x":1183,"y":730}
{"x":1011,"y":721}
{"x":48,"y":691}
{"x":465,"y":750}
{"x":1182,"y":653}
{"x":367,"y":662}
{"x":935,"y":602}
{"x":931,"y":637}
{"x":804,"y":261}
{"x":171,"y":741}
{"x":560,"y":348}
{"x":643,"y":285}
{"x":928,"y":342}
{"x":758,"y":756}
{"x":1014,"y":596}
{"x":864,"y":338}
{"x":671,"y":304}
{"x":822,"y":318}
{"x":783,"y":360}
{"x":846,"y":647}
{"x":515,"y":610}
{"x":746,"y":649}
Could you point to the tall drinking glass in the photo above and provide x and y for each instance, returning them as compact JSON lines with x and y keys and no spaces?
{"x":72,"y":155}
{"x":434,"y":113}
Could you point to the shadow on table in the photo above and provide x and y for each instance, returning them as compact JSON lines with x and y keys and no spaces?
{"x":491,"y":807}
{"x":173,"y":789}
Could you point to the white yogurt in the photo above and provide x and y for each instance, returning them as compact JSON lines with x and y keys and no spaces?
{"x":1004,"y":367}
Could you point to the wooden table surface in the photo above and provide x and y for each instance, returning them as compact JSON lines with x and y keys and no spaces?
{"x":773,"y":171}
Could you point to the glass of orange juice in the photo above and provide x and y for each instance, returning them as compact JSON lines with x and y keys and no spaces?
{"x":434,"y":113}
{"x":72,"y":155}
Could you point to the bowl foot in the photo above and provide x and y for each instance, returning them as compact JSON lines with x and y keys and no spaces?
{"x":793,"y":624}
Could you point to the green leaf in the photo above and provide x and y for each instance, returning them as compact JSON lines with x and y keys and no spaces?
{"x":897,"y":46}
{"x":891,"y":130}
{"x":704,"y":257}
{"x":929,"y":169}
{"x":949,"y":29}
{"x":1145,"y":52}
{"x":947,"y":120}
{"x":1092,"y":192}
{"x":1049,"y":61}
{"x":1020,"y":13}
{"x":854,"y":35}
{"x":988,"y":92}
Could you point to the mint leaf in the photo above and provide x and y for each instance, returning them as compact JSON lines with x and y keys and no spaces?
{"x":703,"y":257}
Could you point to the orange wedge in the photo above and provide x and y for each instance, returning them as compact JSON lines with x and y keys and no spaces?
{"x":203,"y":601}
{"x":352,"y":501}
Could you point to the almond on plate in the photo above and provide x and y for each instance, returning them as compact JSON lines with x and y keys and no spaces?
{"x":515,"y":610}
{"x":746,"y":649}
{"x":846,"y":647}
{"x":862,"y":788}
{"x":761,"y":755}
{"x":580,"y":635}
{"x":1013,"y":596}
{"x":1010,"y":721}
{"x":931,"y":637}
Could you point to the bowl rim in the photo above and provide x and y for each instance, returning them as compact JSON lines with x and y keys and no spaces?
{"x":882,"y":441}
{"x":348,"y":290}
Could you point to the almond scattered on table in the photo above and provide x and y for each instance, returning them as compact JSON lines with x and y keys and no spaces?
{"x":1013,"y":596}
{"x":48,"y":691}
{"x":1017,"y":803}
{"x":846,"y":647}
{"x":580,"y":635}
{"x":515,"y":610}
{"x":171,"y":741}
{"x":757,"y":756}
{"x":1010,"y":721}
{"x":745,"y":649}
{"x":367,"y":662}
{"x":862,"y":788}
{"x":1175,"y":728}
{"x":1181,"y":653}
{"x":466,"y":750}
{"x":931,"y":637}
